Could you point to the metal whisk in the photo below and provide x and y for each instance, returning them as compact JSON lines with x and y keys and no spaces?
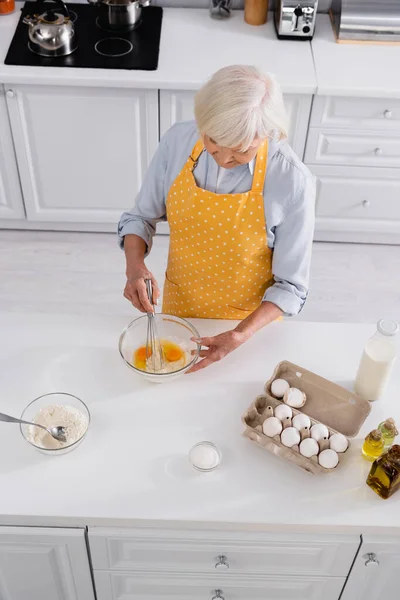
{"x":154,"y":352}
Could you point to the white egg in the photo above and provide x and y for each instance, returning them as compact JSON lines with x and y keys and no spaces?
{"x":272,"y":426}
{"x":319,"y":431}
{"x":294,"y":397}
{"x":279,"y":387}
{"x":328,"y":459}
{"x":300,"y":421}
{"x":290,"y":437}
{"x":282,"y":411}
{"x":309,"y":447}
{"x":338,"y":442}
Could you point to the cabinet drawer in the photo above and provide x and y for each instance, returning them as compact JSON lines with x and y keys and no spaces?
{"x":200,"y":551}
{"x":124,"y":586}
{"x":364,"y":113}
{"x":341,"y":147}
{"x":358,"y":193}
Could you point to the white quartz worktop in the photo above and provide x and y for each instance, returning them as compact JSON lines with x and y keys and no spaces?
{"x":366,"y":70}
{"x":134,"y":466}
{"x":193,"y":46}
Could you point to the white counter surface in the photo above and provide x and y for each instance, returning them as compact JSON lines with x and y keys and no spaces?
{"x":134,"y":466}
{"x":366,"y":70}
{"x":193,"y":46}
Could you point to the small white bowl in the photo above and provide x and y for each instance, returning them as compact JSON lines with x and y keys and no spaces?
{"x":211,"y":450}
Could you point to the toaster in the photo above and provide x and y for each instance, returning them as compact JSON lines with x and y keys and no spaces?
{"x":295,"y":19}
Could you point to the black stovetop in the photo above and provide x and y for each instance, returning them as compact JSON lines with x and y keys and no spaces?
{"x":137,"y":49}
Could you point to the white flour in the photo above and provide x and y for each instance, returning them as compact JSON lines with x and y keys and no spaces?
{"x":69,"y":417}
{"x":169,"y":367}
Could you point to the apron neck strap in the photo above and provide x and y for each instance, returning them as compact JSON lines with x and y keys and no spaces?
{"x":198,"y":149}
{"x":260,"y":168}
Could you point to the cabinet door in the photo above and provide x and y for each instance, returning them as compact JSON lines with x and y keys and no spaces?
{"x":375,"y":574}
{"x":44,"y":564}
{"x":179,"y":106}
{"x":82,"y":152}
{"x":11,"y":204}
{"x":346,"y":148}
{"x":125,"y":586}
{"x":357,"y":204}
{"x":200,"y":551}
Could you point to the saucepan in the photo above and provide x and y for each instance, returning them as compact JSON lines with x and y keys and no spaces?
{"x":120,"y":14}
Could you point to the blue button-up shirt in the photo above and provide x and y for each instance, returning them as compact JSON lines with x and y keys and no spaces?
{"x":289,"y":199}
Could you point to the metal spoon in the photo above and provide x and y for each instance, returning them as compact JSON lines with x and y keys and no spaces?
{"x":58,"y":433}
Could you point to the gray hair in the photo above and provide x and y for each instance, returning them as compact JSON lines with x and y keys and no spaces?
{"x":238,"y":104}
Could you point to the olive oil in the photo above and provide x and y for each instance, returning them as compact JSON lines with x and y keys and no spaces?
{"x":373,"y":445}
{"x":389,"y":432}
{"x":384,"y":477}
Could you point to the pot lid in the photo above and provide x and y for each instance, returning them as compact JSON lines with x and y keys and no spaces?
{"x":51,"y":17}
{"x":327,"y":402}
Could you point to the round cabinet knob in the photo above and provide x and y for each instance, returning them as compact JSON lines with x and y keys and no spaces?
{"x":222,"y":562}
{"x":387,"y":114}
{"x":218,"y":595}
{"x":378,"y":151}
{"x":372,"y":560}
{"x":10,"y":94}
{"x":365,"y":203}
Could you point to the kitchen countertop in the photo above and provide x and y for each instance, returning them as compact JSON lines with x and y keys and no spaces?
{"x":366,"y":70}
{"x":193,"y":46}
{"x":133,"y":466}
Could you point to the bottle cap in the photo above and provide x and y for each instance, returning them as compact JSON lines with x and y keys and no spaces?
{"x":375,"y":435}
{"x":388,"y":327}
{"x":390,"y":425}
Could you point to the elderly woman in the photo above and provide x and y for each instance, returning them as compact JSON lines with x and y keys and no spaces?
{"x":240,"y":207}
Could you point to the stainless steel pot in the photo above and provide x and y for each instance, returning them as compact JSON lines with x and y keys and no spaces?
{"x":51,"y":32}
{"x":120,"y":14}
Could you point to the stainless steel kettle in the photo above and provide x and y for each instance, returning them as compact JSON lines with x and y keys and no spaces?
{"x":51,"y":31}
{"x":123,"y":15}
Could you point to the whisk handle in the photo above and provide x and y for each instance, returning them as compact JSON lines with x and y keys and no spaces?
{"x":149,"y":290}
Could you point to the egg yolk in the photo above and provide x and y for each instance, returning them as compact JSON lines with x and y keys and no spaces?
{"x":171,"y":353}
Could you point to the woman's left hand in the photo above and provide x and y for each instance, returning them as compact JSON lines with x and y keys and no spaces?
{"x":218,"y":347}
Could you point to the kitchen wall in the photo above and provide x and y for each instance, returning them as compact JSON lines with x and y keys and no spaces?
{"x":323,"y":4}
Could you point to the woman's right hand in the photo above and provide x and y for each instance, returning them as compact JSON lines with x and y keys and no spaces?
{"x":135,"y":288}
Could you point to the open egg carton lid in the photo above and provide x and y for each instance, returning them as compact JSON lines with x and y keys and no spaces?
{"x":327,"y":402}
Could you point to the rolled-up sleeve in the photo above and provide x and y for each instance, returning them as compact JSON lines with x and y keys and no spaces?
{"x":149,"y":208}
{"x":292,"y":251}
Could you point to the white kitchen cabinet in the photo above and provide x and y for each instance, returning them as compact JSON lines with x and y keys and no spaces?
{"x":81,"y":152}
{"x":11,"y":204}
{"x":44,"y":564}
{"x":353,"y":149}
{"x":179,"y":106}
{"x":126,"y":586}
{"x":375,"y":573}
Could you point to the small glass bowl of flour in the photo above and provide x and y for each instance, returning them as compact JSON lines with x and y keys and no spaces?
{"x":52,"y":410}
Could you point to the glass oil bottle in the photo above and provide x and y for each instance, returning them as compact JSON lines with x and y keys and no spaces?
{"x":389,"y":432}
{"x":384,"y":477}
{"x":373,"y":445}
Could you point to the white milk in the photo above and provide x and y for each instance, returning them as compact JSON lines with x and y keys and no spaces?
{"x":377,"y":362}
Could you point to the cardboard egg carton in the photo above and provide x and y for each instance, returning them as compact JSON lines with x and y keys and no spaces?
{"x":338,"y":409}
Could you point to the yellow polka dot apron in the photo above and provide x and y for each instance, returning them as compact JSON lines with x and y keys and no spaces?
{"x":219,"y":263}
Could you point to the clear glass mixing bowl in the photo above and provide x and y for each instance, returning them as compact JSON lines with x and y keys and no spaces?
{"x":54,"y":398}
{"x":169,"y":328}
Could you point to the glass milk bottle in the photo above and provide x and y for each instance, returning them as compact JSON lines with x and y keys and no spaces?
{"x":377,"y":361}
